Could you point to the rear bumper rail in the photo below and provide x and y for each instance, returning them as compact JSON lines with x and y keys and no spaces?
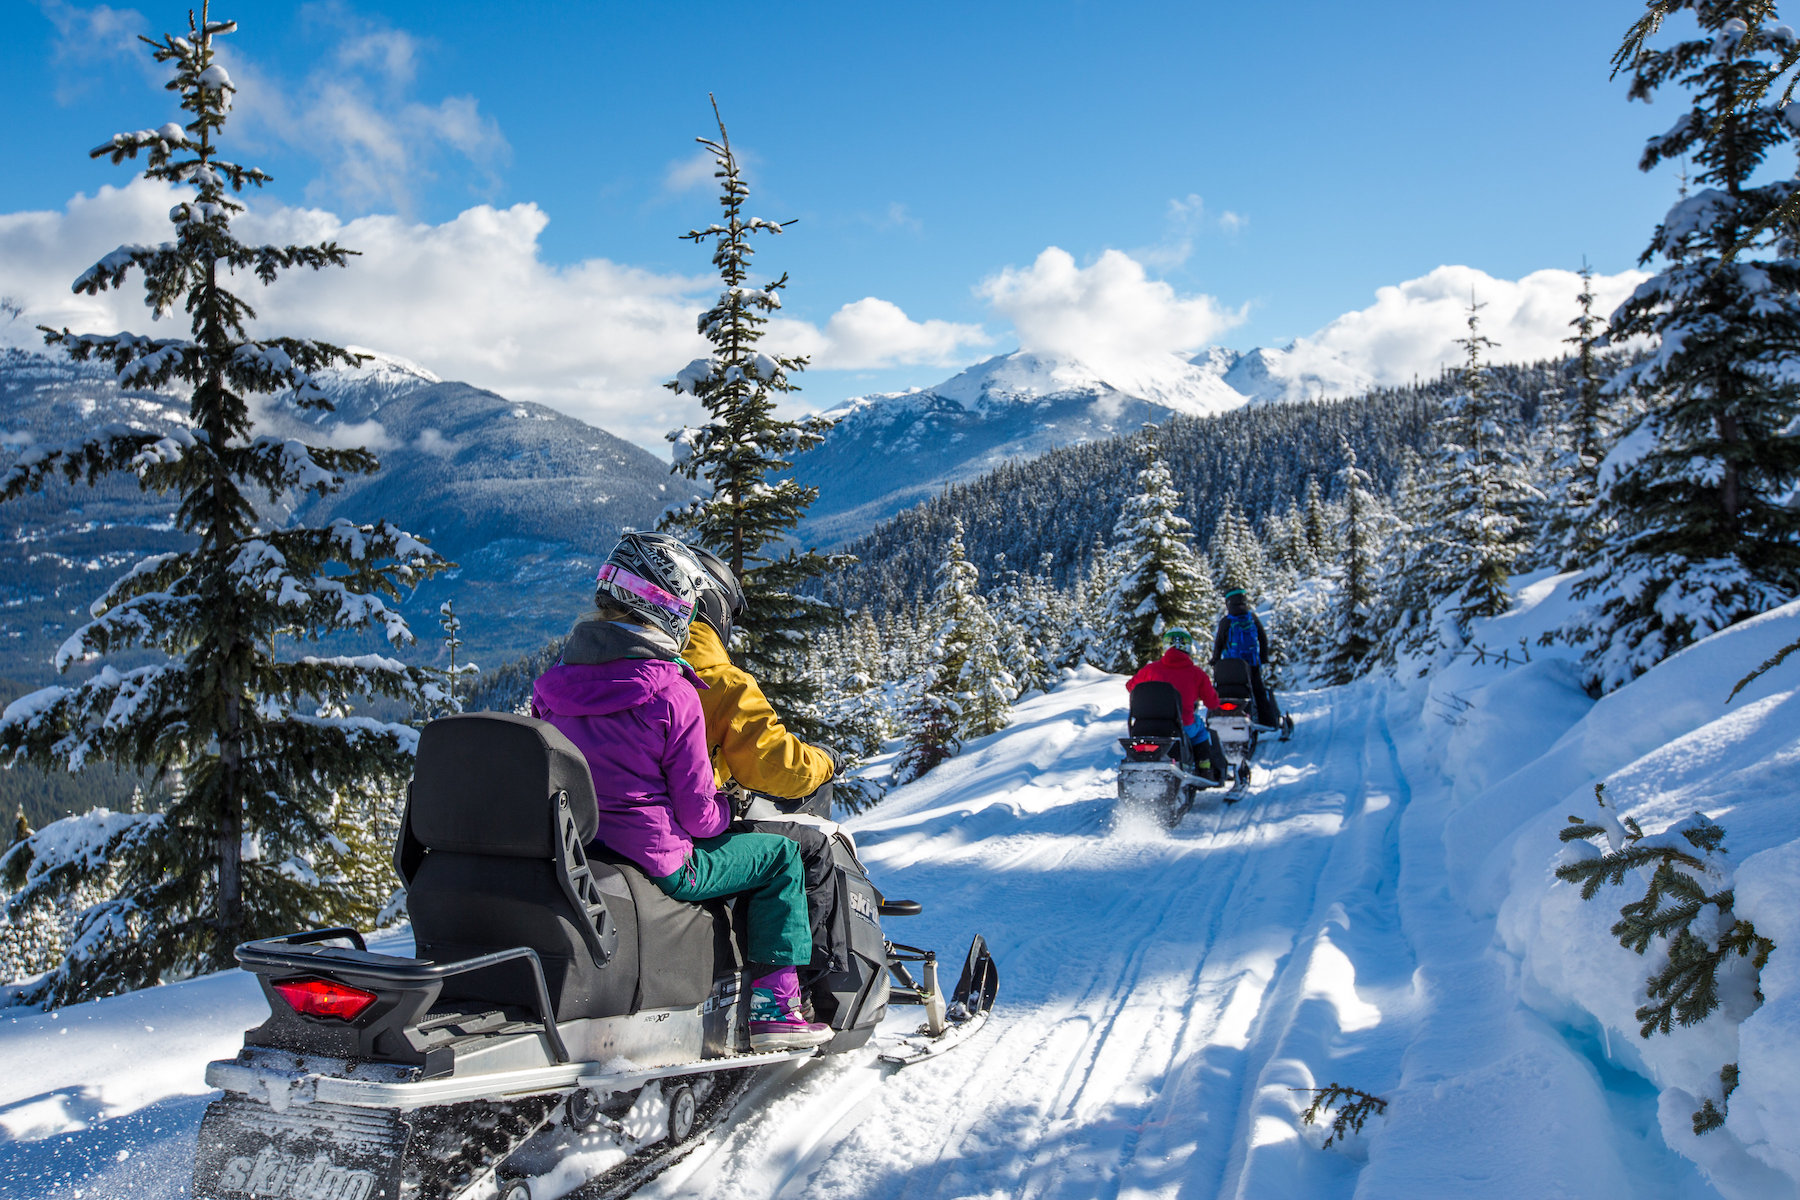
{"x":301,"y":952}
{"x":282,"y":1088}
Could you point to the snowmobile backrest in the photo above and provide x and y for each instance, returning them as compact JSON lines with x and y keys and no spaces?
{"x":1155,"y":710}
{"x":486,"y":783}
{"x":491,"y":850}
{"x":1232,"y":679}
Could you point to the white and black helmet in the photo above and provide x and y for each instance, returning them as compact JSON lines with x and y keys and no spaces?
{"x":656,"y":578}
{"x":722,"y":600}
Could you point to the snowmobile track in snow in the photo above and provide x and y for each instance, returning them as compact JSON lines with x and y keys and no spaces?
{"x":1129,"y":1056}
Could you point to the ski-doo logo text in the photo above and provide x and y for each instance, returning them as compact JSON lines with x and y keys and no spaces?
{"x":862,"y":906}
{"x":274,"y":1174}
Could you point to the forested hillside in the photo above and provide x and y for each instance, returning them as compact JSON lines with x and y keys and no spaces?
{"x":1258,"y":458}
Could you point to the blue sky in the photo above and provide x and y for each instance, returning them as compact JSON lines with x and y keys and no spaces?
{"x":1274,"y":166}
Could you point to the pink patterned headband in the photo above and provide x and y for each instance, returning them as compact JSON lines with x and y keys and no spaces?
{"x":643,"y":589}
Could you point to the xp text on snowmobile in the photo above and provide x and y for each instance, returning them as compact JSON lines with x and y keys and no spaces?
{"x":565,"y":1026}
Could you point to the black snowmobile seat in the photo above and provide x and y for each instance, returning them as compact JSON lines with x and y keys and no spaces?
{"x":1232,"y":680}
{"x":1155,"y":710}
{"x":491,"y":851}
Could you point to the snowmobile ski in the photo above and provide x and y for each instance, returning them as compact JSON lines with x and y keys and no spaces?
{"x":950,"y":1024}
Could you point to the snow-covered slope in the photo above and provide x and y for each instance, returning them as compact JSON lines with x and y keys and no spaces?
{"x":1164,"y":994}
{"x":889,"y":450}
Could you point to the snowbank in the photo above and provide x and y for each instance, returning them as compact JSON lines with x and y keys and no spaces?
{"x":1526,"y":749}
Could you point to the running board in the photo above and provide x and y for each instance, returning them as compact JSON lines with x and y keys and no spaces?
{"x":281,"y":1088}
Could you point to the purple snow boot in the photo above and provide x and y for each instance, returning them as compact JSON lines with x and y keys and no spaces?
{"x":776,"y":1021}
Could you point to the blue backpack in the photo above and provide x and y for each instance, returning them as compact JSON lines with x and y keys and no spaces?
{"x":1241,"y":640}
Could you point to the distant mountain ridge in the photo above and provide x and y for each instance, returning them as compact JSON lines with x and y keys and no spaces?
{"x":887,"y":451}
{"x":526,"y":500}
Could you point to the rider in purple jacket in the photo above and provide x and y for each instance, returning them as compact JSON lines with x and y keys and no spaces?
{"x":637,"y":720}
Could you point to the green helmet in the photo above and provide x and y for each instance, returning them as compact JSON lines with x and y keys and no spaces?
{"x":1178,"y":638}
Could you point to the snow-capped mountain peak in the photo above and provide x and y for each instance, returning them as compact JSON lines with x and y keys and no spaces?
{"x":1301,"y":371}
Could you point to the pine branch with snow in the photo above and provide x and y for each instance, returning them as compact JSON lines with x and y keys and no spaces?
{"x":1706,"y":957}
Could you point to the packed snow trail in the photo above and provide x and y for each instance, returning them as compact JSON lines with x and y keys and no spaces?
{"x":1162,"y":996}
{"x":1157,"y":989}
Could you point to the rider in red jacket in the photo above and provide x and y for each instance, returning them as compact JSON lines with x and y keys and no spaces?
{"x":1178,"y":667}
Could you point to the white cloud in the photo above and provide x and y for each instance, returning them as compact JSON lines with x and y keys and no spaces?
{"x":687,"y":174}
{"x":471,"y":299}
{"x":1411,"y":329}
{"x":361,"y":435}
{"x":87,"y":38}
{"x":872,"y":333}
{"x":1109,"y":315}
{"x":433,"y":441}
{"x":354,"y":112}
{"x":1186,"y":220}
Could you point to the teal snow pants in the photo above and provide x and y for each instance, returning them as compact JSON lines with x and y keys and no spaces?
{"x":764,"y":867}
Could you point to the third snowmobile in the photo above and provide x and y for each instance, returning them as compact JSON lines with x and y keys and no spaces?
{"x":1160,"y":774}
{"x":564,"y":1027}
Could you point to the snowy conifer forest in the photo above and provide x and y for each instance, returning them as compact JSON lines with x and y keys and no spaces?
{"x":1510,"y":913}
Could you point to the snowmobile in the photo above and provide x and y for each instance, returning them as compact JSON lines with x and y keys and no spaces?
{"x":1236,"y":726}
{"x":563,"y":1027}
{"x":1160,"y":775}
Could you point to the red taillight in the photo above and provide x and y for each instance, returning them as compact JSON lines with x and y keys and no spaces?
{"x":1227,"y":706}
{"x":323,"y":998}
{"x":1145,"y":746}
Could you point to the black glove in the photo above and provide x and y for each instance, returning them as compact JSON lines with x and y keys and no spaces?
{"x":739,"y":798}
{"x":837,"y":761}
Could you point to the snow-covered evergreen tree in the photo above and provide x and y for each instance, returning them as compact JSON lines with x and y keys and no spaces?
{"x":1470,"y":522}
{"x":1084,"y":637}
{"x":1701,"y":490}
{"x":1362,"y":533}
{"x":1237,"y":557}
{"x":743,"y":452}
{"x":252,"y":748}
{"x":1574,"y":530}
{"x":1034,"y":620}
{"x":1321,"y":529}
{"x":1161,"y":584}
{"x":965,"y":690}
{"x":451,"y":624}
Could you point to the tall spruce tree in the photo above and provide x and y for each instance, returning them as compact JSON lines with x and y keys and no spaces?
{"x":1473,"y":526}
{"x":742,"y":453}
{"x":1701,"y":490}
{"x":254,"y":750}
{"x":1574,"y":530}
{"x":1161,"y":583}
{"x":965,"y":690}
{"x":1362,"y":534}
{"x":1237,"y":557}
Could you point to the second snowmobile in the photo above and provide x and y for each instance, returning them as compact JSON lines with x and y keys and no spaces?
{"x":564,"y":1027}
{"x":1160,"y":774}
